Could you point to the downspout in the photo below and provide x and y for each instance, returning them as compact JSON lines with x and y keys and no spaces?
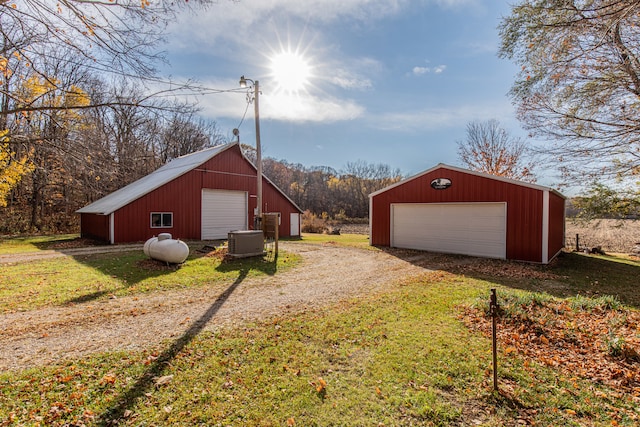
{"x":111,"y":228}
{"x":370,"y":220}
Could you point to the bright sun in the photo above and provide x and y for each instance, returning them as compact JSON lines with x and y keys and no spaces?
{"x":290,"y":70}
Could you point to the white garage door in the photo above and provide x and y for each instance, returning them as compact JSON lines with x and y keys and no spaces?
{"x":477,"y":229}
{"x":223,"y":211}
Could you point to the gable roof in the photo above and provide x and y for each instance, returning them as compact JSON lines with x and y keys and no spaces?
{"x":470,"y":172}
{"x":170,"y":171}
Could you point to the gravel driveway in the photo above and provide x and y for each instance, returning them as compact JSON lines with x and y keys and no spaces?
{"x":327,"y":274}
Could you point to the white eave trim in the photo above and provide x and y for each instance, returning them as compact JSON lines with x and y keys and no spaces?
{"x":469,"y":172}
{"x":545,"y":227}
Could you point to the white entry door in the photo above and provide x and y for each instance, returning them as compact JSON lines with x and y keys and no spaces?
{"x":223,"y":211}
{"x":294,"y":221}
{"x":477,"y":229}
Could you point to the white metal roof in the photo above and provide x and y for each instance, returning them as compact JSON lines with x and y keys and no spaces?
{"x":481,"y":174}
{"x":170,"y":171}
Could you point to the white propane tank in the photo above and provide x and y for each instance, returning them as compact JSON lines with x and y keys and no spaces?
{"x":164,"y":248}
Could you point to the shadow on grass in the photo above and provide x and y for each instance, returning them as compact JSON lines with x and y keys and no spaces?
{"x":63,"y":242}
{"x":568,"y":275}
{"x":130,"y":266}
{"x":129,"y":398}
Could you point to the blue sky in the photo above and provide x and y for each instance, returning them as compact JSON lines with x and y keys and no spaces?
{"x":391,"y":81}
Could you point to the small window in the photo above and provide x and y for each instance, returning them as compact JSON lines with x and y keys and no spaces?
{"x":161,"y":219}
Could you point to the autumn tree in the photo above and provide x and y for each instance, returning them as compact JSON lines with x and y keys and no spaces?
{"x":116,"y":38}
{"x":324,"y":191}
{"x":489,"y":148}
{"x":80,"y":155}
{"x":12,"y":168}
{"x":603,"y":201}
{"x":44,"y":46}
{"x":48,"y":133}
{"x":579,"y":83}
{"x":351,"y":188}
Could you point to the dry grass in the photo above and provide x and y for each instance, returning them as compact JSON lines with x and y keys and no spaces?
{"x":612,"y":235}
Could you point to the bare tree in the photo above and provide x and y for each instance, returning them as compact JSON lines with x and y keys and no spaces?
{"x":579,"y":84}
{"x":489,"y":148}
{"x":185,"y":133}
{"x":357,"y":181}
{"x":113,"y":35}
{"x":324,"y":191}
{"x":107,"y":37}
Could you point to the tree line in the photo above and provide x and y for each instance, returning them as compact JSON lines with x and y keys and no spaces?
{"x":116,"y":154}
{"x":323,"y":190}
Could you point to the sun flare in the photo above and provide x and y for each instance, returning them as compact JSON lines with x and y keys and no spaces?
{"x":290,"y":70}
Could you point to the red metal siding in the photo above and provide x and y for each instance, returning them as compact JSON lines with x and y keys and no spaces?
{"x":524,"y":207}
{"x":182,"y":196}
{"x":556,"y":224}
{"x":94,"y":226}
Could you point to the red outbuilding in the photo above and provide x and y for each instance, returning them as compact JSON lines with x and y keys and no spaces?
{"x":454,"y":210}
{"x":200,"y":196}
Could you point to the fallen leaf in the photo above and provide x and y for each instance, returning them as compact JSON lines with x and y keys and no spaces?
{"x":163,"y":380}
{"x":108,"y":379}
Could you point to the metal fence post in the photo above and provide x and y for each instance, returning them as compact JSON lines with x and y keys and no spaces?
{"x":493,"y":308}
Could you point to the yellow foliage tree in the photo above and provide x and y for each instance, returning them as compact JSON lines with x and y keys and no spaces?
{"x":11,"y":169}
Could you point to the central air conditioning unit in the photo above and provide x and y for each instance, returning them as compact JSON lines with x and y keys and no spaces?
{"x":246,"y":243}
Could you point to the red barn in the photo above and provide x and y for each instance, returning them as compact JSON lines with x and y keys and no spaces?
{"x":200,"y":196}
{"x":453,"y":210}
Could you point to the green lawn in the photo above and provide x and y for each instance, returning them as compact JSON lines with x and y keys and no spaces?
{"x":83,"y":278}
{"x":352,"y":240}
{"x":13,"y":245}
{"x":402,"y":357}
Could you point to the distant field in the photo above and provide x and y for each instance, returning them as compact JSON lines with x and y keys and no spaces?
{"x":611,"y":235}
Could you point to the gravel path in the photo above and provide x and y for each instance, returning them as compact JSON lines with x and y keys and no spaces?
{"x":328,"y":274}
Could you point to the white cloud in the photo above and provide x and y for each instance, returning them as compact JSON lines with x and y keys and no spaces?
{"x":238,"y":37}
{"x":248,"y":22}
{"x":419,"y":71}
{"x":279,"y":106}
{"x":458,"y":3}
{"x":350,"y":73}
{"x":443,"y":117}
{"x":307,"y":108}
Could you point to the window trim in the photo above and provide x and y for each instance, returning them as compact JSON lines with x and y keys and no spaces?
{"x":162,"y":219}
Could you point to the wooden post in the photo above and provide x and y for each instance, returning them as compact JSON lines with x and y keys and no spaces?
{"x":276,"y":233}
{"x":577,"y":243}
{"x":493,"y":308}
{"x":271,"y":228}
